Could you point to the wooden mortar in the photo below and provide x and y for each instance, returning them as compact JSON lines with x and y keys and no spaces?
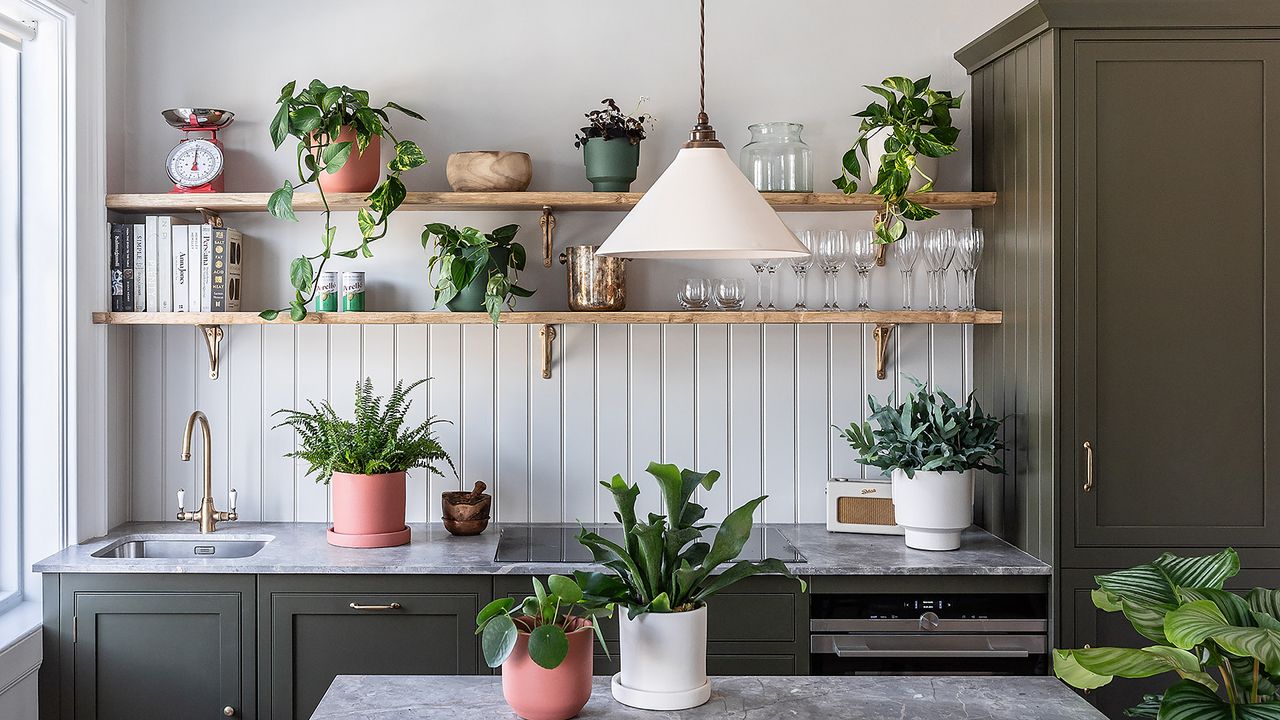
{"x":466,"y":513}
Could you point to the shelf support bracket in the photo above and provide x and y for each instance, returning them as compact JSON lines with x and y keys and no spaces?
{"x":548,"y":223}
{"x":881,"y":248}
{"x":548,"y":333}
{"x":210,"y":216}
{"x":212,"y":342}
{"x":881,"y":334}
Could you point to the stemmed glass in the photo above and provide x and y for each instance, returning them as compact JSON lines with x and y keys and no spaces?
{"x":833,"y":252}
{"x":969,"y":244}
{"x":771,"y":267}
{"x":939,"y":249}
{"x":800,"y":266}
{"x":759,"y":264}
{"x":862,"y":253}
{"x":905,"y":254}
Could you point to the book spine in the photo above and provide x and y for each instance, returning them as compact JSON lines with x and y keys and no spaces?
{"x":137,"y":236}
{"x":116,"y":271}
{"x":164,"y":262}
{"x":235,"y":247}
{"x":218,"y":275}
{"x":181,"y":269}
{"x":193,"y":268}
{"x":206,"y":267}
{"x":152,"y":275}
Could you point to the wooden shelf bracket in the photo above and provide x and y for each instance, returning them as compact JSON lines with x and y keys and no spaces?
{"x":548,"y":333}
{"x":548,"y":223}
{"x":213,"y":343}
{"x":882,"y":333}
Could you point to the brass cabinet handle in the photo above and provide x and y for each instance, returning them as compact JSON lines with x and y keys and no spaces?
{"x":391,"y":606}
{"x":229,"y":711}
{"x":1088,"y":466}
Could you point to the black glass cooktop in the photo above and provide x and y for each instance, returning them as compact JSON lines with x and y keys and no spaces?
{"x":556,"y":543}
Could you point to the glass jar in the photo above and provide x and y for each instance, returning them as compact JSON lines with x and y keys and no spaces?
{"x":776,"y":159}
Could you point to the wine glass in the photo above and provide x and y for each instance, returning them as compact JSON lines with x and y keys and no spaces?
{"x":939,"y":249}
{"x":759,"y":264}
{"x":800,"y":266}
{"x":969,"y":244}
{"x":905,"y":254}
{"x":862,"y":253}
{"x":771,"y":270}
{"x":694,"y":294}
{"x":833,"y":252}
{"x":729,"y":294}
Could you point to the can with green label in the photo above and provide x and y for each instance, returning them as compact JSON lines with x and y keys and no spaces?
{"x":353,"y":291}
{"x":327,"y":292}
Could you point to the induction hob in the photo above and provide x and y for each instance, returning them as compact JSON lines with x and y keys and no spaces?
{"x":556,"y":543}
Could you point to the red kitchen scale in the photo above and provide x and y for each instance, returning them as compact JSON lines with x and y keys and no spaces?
{"x":195,"y":165}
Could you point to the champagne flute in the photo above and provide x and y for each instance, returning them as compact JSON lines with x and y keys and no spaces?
{"x":800,"y":266}
{"x":863,"y":253}
{"x":905,"y":254}
{"x":833,"y":252}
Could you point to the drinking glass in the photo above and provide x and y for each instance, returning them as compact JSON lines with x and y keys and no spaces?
{"x":771,"y":269}
{"x":939,"y":249}
{"x":694,"y":294}
{"x":862,"y":253}
{"x":758,"y":264}
{"x":969,"y":244}
{"x":800,"y":266}
{"x":729,"y":293}
{"x":833,"y":252}
{"x":905,"y":254}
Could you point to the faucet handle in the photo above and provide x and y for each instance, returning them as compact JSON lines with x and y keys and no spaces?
{"x":182,"y":500}
{"x":232,"y":496}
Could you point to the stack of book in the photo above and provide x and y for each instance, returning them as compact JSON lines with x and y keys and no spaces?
{"x":167,"y":264}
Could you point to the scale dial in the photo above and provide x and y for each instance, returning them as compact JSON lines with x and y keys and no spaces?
{"x":194,"y":162}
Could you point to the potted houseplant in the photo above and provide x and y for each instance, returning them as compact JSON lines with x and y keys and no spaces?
{"x":931,"y":446}
{"x":472,"y":271}
{"x":543,"y":644}
{"x":364,"y":460}
{"x":664,"y":573}
{"x":610,"y":145}
{"x":913,"y":127}
{"x":1224,"y":648}
{"x":339,"y":143}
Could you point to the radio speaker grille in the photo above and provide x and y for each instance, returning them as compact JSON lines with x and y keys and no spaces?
{"x":865,"y":511}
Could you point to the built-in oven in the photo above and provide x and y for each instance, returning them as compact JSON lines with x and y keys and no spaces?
{"x":926,"y":634}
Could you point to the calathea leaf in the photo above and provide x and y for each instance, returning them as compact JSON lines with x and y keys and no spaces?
{"x":1191,"y":624}
{"x":1107,"y":663}
{"x":1188,"y":700}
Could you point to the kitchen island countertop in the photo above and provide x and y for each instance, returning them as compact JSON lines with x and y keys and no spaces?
{"x":410,"y":697}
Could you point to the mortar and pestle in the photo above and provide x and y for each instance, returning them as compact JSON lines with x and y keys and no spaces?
{"x":466,"y":513}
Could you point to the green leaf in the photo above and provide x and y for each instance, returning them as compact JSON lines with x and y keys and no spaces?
{"x":1197,"y":621}
{"x":564,"y":588}
{"x":402,"y":109}
{"x":297,"y":311}
{"x":280,"y":204}
{"x":407,"y":156}
{"x":301,"y":274}
{"x":1069,"y":670}
{"x":548,"y":646}
{"x":745,"y":569}
{"x":498,"y":640}
{"x":269,"y":314}
{"x":901,"y":84}
{"x":346,"y":253}
{"x":540,"y":592}
{"x":335,"y":156}
{"x":495,"y":608}
{"x":364,"y":219}
{"x":280,"y":126}
{"x":330,"y":99}
{"x":1187,"y":700}
{"x":326,"y":237}
{"x":286,"y":92}
{"x":305,"y":119}
{"x":1265,"y":601}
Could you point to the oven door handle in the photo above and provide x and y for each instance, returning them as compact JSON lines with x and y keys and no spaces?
{"x":848,"y":648}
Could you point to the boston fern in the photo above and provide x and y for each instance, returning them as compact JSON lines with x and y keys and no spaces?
{"x":929,"y":432}
{"x":375,"y":442}
{"x":663,"y":564}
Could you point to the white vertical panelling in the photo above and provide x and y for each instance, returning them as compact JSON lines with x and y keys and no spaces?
{"x":578,"y":417}
{"x":746,"y":410}
{"x":711,"y":415}
{"x":613,"y":429}
{"x":679,"y":425}
{"x":242,"y":363}
{"x":476,"y":421}
{"x":812,"y":438}
{"x":547,"y":494}
{"x":311,"y":382}
{"x":445,"y":400}
{"x":278,"y":393}
{"x":511,"y":380}
{"x":645,"y":387}
{"x":180,"y":368}
{"x":844,"y":368}
{"x":146,"y":482}
{"x":779,"y":417}
{"x":410,"y":363}
{"x":211,"y":397}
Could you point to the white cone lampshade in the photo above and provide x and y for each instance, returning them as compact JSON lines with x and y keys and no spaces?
{"x":702,"y":207}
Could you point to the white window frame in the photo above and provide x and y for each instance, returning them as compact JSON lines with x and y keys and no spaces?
{"x":11,"y":555}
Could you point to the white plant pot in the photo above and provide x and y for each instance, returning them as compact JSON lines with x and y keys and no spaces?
{"x":875,"y":150}
{"x":664,"y":660}
{"x":933,"y":507}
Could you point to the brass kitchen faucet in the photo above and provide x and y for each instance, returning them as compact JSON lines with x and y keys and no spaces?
{"x":208,"y":516}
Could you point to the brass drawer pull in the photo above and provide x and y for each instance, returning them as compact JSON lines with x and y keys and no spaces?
{"x":1088,"y":466}
{"x":392,"y":606}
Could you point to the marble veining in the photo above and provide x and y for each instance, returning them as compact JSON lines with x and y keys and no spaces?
{"x":409,"y":697}
{"x":300,"y":548}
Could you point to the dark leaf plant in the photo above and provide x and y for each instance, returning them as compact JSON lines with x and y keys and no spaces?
{"x":928,"y":431}
{"x":315,"y":115}
{"x":917,"y":121}
{"x":376,"y":441}
{"x":547,"y":616}
{"x":462,"y":255}
{"x":663,"y":565}
{"x":1223,"y":648}
{"x":611,"y":122}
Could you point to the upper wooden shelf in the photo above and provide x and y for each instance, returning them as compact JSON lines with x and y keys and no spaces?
{"x":558,"y":201}
{"x":557,"y":317}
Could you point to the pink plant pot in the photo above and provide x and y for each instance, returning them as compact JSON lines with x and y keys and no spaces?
{"x":366,"y":505}
{"x":361,"y":172}
{"x":536,"y":693}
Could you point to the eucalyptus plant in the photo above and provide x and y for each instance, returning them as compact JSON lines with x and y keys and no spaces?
{"x":928,"y":431}
{"x":462,"y":255}
{"x":1200,"y":631}
{"x":315,"y":115}
{"x":547,"y":617}
{"x":917,"y":120}
{"x":663,"y":564}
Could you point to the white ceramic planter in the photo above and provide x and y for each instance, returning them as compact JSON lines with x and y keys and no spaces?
{"x":664,"y":660}
{"x":933,"y":507}
{"x":875,"y":150}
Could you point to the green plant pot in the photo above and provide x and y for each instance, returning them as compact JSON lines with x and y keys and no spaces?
{"x":611,"y":164}
{"x":471,"y":297}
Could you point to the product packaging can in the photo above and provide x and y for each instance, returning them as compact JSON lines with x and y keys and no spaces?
{"x":353,"y":291}
{"x":327,"y":292}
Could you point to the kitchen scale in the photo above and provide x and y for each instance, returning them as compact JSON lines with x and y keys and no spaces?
{"x":195,"y":165}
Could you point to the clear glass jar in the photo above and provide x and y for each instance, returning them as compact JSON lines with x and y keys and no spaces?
{"x":776,"y":159}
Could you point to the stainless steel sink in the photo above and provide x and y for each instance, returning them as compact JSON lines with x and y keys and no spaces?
{"x":175,"y":548}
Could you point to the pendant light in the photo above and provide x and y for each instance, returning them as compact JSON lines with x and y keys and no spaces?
{"x":702,"y":206}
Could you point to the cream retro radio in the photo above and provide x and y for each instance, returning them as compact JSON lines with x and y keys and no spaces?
{"x":861,"y":506}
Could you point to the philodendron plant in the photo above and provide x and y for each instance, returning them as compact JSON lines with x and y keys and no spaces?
{"x":316,"y":116}
{"x":546,"y":616}
{"x":1224,"y":648}
{"x":928,"y":431}
{"x":462,"y":255}
{"x":917,"y":120}
{"x":663,"y":564}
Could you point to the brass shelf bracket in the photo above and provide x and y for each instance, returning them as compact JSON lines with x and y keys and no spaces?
{"x":548,"y":333}
{"x":210,"y":216}
{"x":881,"y":252}
{"x":548,"y":223}
{"x":882,"y":333}
{"x":212,"y":342}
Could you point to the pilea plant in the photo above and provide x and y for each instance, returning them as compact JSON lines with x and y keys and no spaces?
{"x":928,"y":431}
{"x":917,"y":120}
{"x":561,"y":607}
{"x":460,"y":256}
{"x":315,"y":116}
{"x":610,"y":122}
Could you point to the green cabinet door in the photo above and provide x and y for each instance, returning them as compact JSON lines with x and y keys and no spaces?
{"x":319,"y":627}
{"x":1171,"y":305}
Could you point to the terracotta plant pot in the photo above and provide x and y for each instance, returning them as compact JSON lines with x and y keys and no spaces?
{"x":536,"y":693}
{"x":361,"y":171}
{"x":489,"y":171}
{"x":368,"y":510}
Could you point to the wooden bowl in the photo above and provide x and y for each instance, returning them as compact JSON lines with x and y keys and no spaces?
{"x":489,"y":171}
{"x":466,"y":527}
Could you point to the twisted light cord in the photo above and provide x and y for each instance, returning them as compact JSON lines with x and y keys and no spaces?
{"x":702,"y":57}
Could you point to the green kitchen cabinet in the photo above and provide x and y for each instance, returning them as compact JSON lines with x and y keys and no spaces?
{"x":314,"y":628}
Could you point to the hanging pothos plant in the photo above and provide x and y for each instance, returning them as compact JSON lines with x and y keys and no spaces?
{"x":464,"y":256}
{"x":316,"y":116}
{"x":918,"y":122}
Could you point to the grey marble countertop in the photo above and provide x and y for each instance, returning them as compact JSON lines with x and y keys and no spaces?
{"x":300,"y":548}
{"x":416,"y":697}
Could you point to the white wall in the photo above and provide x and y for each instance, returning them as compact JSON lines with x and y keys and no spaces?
{"x":756,"y":402}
